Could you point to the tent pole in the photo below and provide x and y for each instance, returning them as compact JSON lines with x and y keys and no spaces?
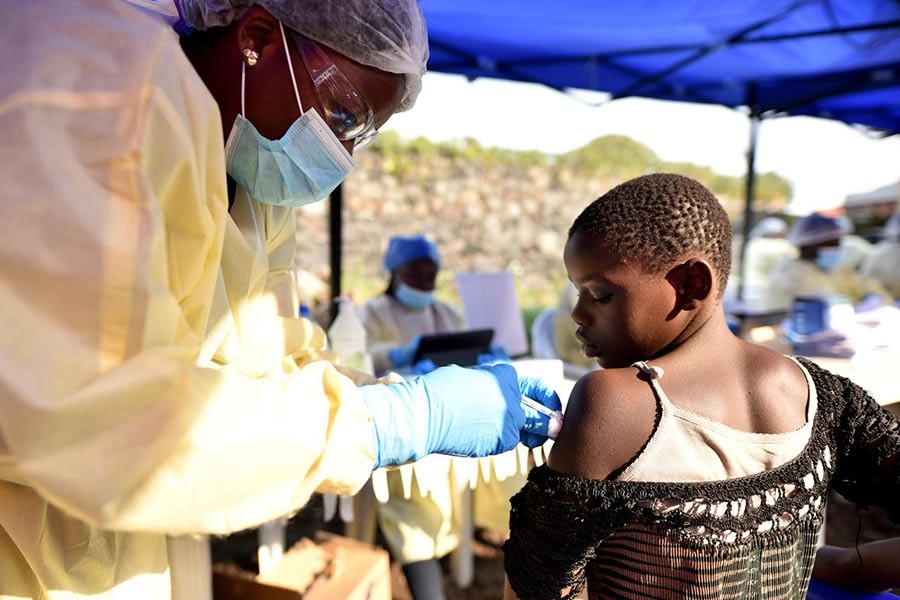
{"x":755,"y":119}
{"x":335,"y":243}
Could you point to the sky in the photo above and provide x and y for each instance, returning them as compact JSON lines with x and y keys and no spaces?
{"x":824,"y":160}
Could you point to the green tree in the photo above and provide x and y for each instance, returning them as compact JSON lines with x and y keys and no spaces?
{"x":616,"y":157}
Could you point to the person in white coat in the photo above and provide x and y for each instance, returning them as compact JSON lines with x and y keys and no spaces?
{"x":156,"y":379}
{"x":883,"y":264}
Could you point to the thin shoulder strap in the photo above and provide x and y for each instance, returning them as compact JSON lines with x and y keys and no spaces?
{"x":653,"y":445}
{"x":654,"y":374}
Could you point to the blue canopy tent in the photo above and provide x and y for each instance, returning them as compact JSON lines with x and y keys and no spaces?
{"x":774,"y":56}
{"x":838,"y":59}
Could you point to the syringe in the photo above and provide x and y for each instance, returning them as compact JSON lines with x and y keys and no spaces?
{"x":553,"y":423}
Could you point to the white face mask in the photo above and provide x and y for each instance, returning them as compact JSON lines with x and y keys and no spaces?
{"x":303,"y":166}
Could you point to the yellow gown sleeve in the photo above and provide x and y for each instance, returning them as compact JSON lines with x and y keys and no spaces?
{"x":116,"y":403}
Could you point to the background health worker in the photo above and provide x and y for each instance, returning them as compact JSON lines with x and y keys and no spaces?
{"x":883,"y":264}
{"x":418,"y":528}
{"x":408,"y":309}
{"x":819,"y":268}
{"x":155,"y":379}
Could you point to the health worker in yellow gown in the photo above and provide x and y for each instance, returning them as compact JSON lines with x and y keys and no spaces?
{"x":408,"y":309}
{"x":156,"y":380}
{"x":820,"y":268}
{"x":883,"y":264}
{"x":419,"y":528}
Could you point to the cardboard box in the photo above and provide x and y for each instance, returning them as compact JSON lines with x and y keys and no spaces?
{"x":331,"y":568}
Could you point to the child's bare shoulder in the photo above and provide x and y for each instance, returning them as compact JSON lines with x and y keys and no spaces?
{"x":779,"y":389}
{"x":775,"y":370}
{"x":609,"y":417}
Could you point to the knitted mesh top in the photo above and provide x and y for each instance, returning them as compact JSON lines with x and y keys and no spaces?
{"x":750,"y":537}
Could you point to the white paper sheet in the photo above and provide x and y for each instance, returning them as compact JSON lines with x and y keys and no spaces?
{"x":489,"y":300}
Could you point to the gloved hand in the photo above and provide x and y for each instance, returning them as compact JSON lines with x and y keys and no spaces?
{"x":496,"y":355}
{"x":426,"y":365}
{"x":538,"y":426}
{"x":403,"y":356}
{"x":455,"y":411}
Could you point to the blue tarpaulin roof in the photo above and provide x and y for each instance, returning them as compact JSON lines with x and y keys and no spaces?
{"x":838,"y":59}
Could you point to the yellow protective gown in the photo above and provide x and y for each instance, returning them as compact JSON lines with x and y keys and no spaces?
{"x":763,"y":255}
{"x":389,"y":325}
{"x":153,"y":379}
{"x":417,"y":519}
{"x":883,"y":264}
{"x":798,"y":277}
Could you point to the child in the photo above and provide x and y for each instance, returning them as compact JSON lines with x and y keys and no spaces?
{"x":694,"y":465}
{"x":869,"y":567}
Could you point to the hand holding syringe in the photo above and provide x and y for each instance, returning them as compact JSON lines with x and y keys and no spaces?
{"x":546,"y":422}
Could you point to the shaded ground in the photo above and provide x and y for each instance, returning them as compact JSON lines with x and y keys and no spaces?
{"x":487,"y":584}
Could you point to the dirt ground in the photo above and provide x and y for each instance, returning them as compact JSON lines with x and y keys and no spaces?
{"x":487,"y":583}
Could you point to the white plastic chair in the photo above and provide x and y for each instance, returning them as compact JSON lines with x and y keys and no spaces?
{"x":542,"y":330}
{"x":542,"y":334}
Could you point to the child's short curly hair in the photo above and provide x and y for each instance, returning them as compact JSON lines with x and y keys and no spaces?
{"x":654,"y":220}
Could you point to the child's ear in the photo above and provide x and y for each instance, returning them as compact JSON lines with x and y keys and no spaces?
{"x":692,"y":281}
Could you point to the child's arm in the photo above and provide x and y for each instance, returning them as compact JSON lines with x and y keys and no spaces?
{"x":870,"y":567}
{"x":610,"y":415}
{"x":560,"y":516}
{"x":868,"y":450}
{"x":508,"y":594}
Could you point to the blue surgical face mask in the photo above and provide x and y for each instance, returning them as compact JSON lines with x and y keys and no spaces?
{"x":829,"y":258}
{"x":303,"y":166}
{"x":412,"y":298}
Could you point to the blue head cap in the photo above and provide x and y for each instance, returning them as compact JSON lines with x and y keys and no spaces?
{"x":403,"y":249}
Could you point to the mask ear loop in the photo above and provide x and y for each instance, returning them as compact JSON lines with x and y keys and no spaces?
{"x":287,"y":53}
{"x":243,"y":81}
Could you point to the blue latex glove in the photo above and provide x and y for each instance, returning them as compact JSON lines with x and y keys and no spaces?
{"x":497,"y":355}
{"x":402,"y":356}
{"x":535,"y":430}
{"x":455,"y":411}
{"x":426,"y":365}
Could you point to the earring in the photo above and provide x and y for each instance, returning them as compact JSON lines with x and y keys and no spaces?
{"x":251,"y":57}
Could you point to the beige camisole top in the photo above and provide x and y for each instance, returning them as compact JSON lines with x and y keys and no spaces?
{"x":686,"y":446}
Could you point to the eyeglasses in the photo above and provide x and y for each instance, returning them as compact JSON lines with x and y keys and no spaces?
{"x":347,"y":113}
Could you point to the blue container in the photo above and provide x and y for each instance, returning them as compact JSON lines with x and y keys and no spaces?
{"x":809,"y":315}
{"x":819,"y":590}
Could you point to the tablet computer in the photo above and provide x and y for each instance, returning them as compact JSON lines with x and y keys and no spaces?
{"x":461,"y":348}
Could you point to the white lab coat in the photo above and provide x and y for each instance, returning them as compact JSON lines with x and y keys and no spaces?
{"x":154,"y":378}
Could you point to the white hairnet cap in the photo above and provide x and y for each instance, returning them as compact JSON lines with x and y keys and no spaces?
{"x":769,"y":227}
{"x":816,"y":229}
{"x":386,"y":34}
